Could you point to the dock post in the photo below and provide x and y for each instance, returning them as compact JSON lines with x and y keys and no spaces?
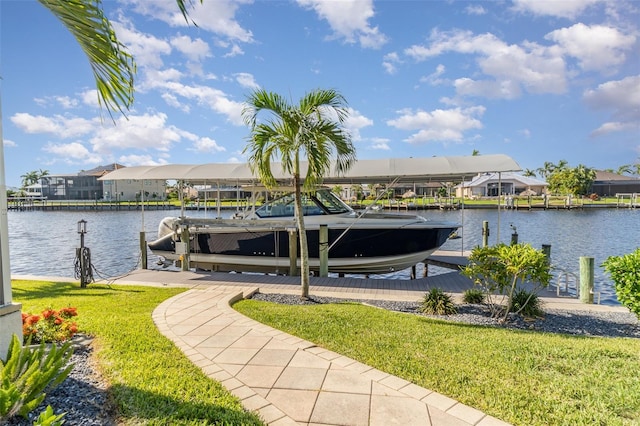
{"x":413,"y":272}
{"x":586,"y":279}
{"x":293,"y":252}
{"x":324,"y":250}
{"x":143,"y":250}
{"x":546,"y":249}
{"x":185,"y":239}
{"x":485,"y":233}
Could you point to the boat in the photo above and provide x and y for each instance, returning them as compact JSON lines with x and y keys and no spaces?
{"x":258,"y":240}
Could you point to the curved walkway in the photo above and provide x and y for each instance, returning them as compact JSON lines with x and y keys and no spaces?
{"x":290,"y":381}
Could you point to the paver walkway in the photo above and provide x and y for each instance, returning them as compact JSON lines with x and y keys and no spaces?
{"x":290,"y":381}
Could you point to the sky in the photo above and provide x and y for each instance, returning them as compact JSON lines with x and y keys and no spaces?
{"x":540,"y":81}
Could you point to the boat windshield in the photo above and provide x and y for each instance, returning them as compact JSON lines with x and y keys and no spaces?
{"x":322,"y":202}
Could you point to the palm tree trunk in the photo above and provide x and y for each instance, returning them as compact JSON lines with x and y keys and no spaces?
{"x":304,"y":249}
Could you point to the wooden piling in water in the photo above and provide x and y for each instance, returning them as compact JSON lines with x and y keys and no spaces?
{"x":586,"y":279}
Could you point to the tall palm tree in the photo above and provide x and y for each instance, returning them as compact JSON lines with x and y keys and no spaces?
{"x":312,"y":129}
{"x":529,"y":173}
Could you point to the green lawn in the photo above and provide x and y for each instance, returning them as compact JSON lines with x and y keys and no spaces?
{"x":152,"y":382}
{"x":525,"y":378}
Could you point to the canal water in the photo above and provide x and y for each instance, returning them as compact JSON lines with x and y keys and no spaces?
{"x":44,"y":243}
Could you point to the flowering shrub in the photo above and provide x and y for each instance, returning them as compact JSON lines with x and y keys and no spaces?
{"x":50,"y":326}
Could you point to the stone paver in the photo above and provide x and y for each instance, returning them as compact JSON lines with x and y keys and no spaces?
{"x":290,"y":381}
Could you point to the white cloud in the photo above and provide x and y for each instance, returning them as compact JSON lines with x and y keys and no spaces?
{"x":389,"y":62}
{"x":559,"y":8}
{"x":173,"y":101}
{"x":8,"y":143}
{"x":438,"y":125}
{"x":595,"y":47}
{"x":234,"y":51}
{"x":207,"y":145}
{"x":90,"y":98}
{"x":58,"y":125}
{"x":475,"y":9}
{"x":246,"y":80}
{"x":215,"y":16}
{"x":215,"y":99}
{"x":194,"y":50}
{"x":72,"y":153}
{"x":536,"y":68}
{"x":354,"y":122}
{"x":615,"y":126}
{"x":434,"y":78}
{"x":380,"y":144}
{"x":620,"y":96}
{"x":146,"y":49}
{"x":66,"y":102}
{"x":349,"y":19}
{"x":138,"y":131}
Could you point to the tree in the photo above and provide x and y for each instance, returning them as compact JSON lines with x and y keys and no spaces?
{"x":575,"y":181}
{"x":549,"y":168}
{"x":313,"y":129}
{"x":475,"y":153}
{"x":32,"y":177}
{"x":29,"y":178}
{"x":625,"y":169}
{"x":501,"y":268}
{"x":529,"y":173}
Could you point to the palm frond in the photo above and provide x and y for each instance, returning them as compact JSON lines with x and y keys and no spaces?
{"x":113,"y":67}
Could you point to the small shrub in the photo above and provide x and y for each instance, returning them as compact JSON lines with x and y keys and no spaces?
{"x":27,"y":373}
{"x":625,"y":273}
{"x":437,"y":302}
{"x":526,"y":303}
{"x":50,"y":326}
{"x":473,"y":295}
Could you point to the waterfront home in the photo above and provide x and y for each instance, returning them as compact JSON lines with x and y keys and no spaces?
{"x":494,"y":184}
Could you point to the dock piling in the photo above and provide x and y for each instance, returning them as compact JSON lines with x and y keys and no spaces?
{"x":324,"y":250}
{"x":485,"y":233}
{"x":586,"y":279}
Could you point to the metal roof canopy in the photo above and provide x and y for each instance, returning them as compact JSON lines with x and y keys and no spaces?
{"x":362,"y":171}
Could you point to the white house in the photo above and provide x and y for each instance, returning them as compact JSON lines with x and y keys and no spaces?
{"x":507,"y":183}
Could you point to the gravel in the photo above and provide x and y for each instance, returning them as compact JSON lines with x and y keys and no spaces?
{"x":583,"y":323}
{"x":83,"y":395}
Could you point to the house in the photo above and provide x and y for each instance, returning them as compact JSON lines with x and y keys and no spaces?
{"x":610,"y":184}
{"x":494,"y":184}
{"x":85,"y":185}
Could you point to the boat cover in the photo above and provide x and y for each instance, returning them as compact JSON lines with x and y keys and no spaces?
{"x":362,"y":171}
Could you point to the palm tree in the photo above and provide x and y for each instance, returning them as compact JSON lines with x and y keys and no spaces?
{"x":529,"y":173}
{"x":313,"y":129}
{"x":624,"y":169}
{"x":29,"y":178}
{"x":113,"y":69}
{"x":475,"y":153}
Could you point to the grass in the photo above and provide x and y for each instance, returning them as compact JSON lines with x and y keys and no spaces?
{"x":525,"y":378}
{"x":152,"y":382}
